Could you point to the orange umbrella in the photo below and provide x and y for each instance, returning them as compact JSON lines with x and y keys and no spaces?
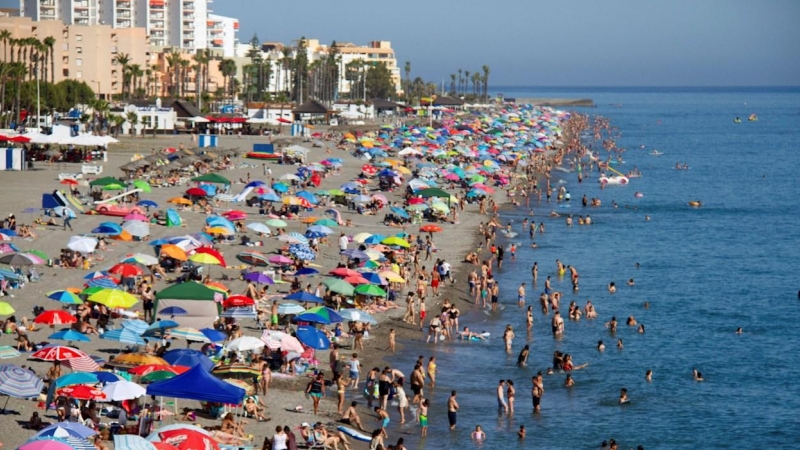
{"x":123,"y":236}
{"x":430,"y":229}
{"x":218,"y":286}
{"x":180,"y":201}
{"x":173,"y":251}
{"x":74,"y":290}
{"x":309,"y":220}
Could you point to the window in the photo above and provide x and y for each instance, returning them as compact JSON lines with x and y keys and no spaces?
{"x":79,"y":37}
{"x":79,"y":74}
{"x":79,"y":50}
{"x":78,"y":61}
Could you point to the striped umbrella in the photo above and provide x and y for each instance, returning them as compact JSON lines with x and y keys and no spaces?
{"x":7,"y":352}
{"x":239,"y":313}
{"x":188,"y":333}
{"x":65,"y":429}
{"x":106,"y":283}
{"x":253,"y":257}
{"x":18,"y":382}
{"x":132,"y":442}
{"x":303,"y":252}
{"x":82,"y":364}
{"x":66,"y":297}
{"x":58,"y":353}
{"x":135,"y":325}
{"x":290,"y":308}
{"x":54,"y":443}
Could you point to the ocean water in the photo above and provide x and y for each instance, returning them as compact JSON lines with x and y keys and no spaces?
{"x":732,"y":263}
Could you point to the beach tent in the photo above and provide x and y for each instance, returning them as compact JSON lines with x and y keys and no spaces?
{"x":212,"y":178}
{"x":173,"y":219}
{"x":201,"y":303}
{"x":198,"y":384}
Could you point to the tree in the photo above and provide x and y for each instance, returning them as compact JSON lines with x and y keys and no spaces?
{"x":116,"y":124}
{"x":485,"y":82}
{"x":136,"y":78}
{"x":379,"y":82}
{"x":459,"y":81}
{"x":452,"y":84}
{"x":287,"y":62}
{"x":201,"y":58}
{"x":133,"y":119}
{"x":123,"y":59}
{"x":5,"y":37}
{"x":5,"y":71}
{"x":228,"y":69}
{"x":407,"y":89}
{"x":300,"y":72}
{"x":50,"y":42}
{"x":184,"y":69}
{"x":173,"y":59}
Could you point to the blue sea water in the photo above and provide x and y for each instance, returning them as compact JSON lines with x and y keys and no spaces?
{"x":732,"y":263}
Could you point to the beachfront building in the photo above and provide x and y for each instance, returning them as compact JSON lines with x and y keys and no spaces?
{"x":71,"y":12}
{"x":223,"y":35}
{"x":85,"y":53}
{"x":188,"y":24}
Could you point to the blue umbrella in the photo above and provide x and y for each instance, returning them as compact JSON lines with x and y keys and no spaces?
{"x":173,"y":311}
{"x":299,"y":237}
{"x":306,"y":271}
{"x":123,"y":336}
{"x":259,"y":277}
{"x":270,"y":197}
{"x":219,"y":221}
{"x":303,"y":252}
{"x":308,"y":196}
{"x":303,"y":296}
{"x":18,"y":382}
{"x":214,"y":335}
{"x":106,"y":283}
{"x":320,"y":229}
{"x":105,"y":229}
{"x":158,"y":242}
{"x":159,"y":327}
{"x":149,"y":203}
{"x":313,"y":338}
{"x":314,"y":234}
{"x":239,"y":313}
{"x":355,"y":254}
{"x":75,"y":443}
{"x":374,"y":239}
{"x":372,"y":277}
{"x":76,"y":378}
{"x":324,"y":315}
{"x":8,"y":232}
{"x":106,"y":377}
{"x":93,"y":275}
{"x":188,"y":357}
{"x":64,"y":429}
{"x":255,"y":183}
{"x":280,"y":187}
{"x":135,"y":325}
{"x":400,"y":212}
{"x":70,"y":335}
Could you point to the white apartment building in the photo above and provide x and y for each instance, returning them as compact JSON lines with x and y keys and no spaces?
{"x":71,"y":12}
{"x":188,"y":24}
{"x":223,"y":34}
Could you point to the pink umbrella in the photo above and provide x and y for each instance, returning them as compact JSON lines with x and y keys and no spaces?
{"x":451,"y":177}
{"x":279,"y":340}
{"x":380,"y":197}
{"x":280,"y":259}
{"x":136,"y":216}
{"x":47,"y":444}
{"x":237,"y":215}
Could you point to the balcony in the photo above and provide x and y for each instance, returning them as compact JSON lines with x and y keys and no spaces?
{"x":187,"y":17}
{"x":123,"y":23}
{"x":124,"y":14}
{"x":158,"y":25}
{"x":82,"y":22}
{"x":48,"y":14}
{"x":188,"y":6}
{"x":47,"y":4}
{"x":188,"y":36}
{"x":126,"y":5}
{"x":157,"y":16}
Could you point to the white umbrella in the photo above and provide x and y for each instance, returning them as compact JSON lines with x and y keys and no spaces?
{"x":362,"y":199}
{"x":137,"y":228}
{"x":123,"y":390}
{"x":409,"y":151}
{"x":290,"y":308}
{"x":147,"y":260}
{"x":259,"y":227}
{"x":245,"y":344}
{"x":290,"y":239}
{"x":83,"y":244}
{"x":290,"y":176}
{"x":356,"y":315}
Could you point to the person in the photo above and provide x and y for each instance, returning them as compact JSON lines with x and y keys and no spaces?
{"x":697,"y":375}
{"x":376,"y":442}
{"x":35,"y":422}
{"x":230,"y":426}
{"x":423,"y":417}
{"x":537,"y":391}
{"x":266,"y":377}
{"x":452,"y":410}
{"x":569,"y":382}
{"x":521,"y":433}
{"x":601,"y":346}
{"x":432,"y":371}
{"x":279,"y":439}
{"x":417,"y":383}
{"x":383,"y":418}
{"x":341,"y":387}
{"x":557,"y":324}
{"x":478,"y":434}
{"x":508,"y":337}
{"x":521,"y":295}
{"x":402,"y":401}
{"x":252,"y":408}
{"x":522,"y":359}
{"x":501,"y":397}
{"x":351,"y":417}
{"x":355,"y":365}
{"x":511,"y":392}
{"x":612,"y":287}
{"x":648,"y":375}
{"x":316,"y":389}
{"x":623,"y":396}
{"x":392,"y":340}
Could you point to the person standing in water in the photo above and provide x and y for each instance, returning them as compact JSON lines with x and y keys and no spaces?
{"x":452,"y":410}
{"x":521,"y":295}
{"x":501,"y":397}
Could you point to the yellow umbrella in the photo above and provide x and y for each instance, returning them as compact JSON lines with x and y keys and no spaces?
{"x":361,"y":237}
{"x":180,"y":201}
{"x":391,"y":276}
{"x":292,"y":200}
{"x":113,"y":298}
{"x":402,"y":170}
{"x":367,"y":144}
{"x":219,"y":230}
{"x":204,"y":258}
{"x":139,"y":359}
{"x":6,"y":309}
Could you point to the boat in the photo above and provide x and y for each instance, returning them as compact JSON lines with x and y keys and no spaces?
{"x":656,"y":153}
{"x":695,"y":203}
{"x":753,"y":118}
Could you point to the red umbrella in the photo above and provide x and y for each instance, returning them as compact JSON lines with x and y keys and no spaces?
{"x":356,"y":279}
{"x":20,"y":139}
{"x":344,"y":272}
{"x":163,"y":446}
{"x":55,"y":317}
{"x":58,"y":353}
{"x":415,"y":201}
{"x":188,"y":439}
{"x":430,"y":229}
{"x":150,"y":368}
{"x":196,"y":192}
{"x":282,"y":120}
{"x":234,"y":212}
{"x":238,"y":301}
{"x":214,"y":253}
{"x":126,"y":270}
{"x":69,"y":181}
{"x":82,"y":392}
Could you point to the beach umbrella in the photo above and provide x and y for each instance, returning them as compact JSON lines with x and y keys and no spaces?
{"x":20,"y":259}
{"x":356,"y":280}
{"x":6,"y":352}
{"x":159,"y":327}
{"x":245,"y":344}
{"x":319,"y":314}
{"x":306,"y":271}
{"x":430,"y":229}
{"x":259,"y":277}
{"x":147,"y":203}
{"x":19,"y":383}
{"x":101,"y":284}
{"x":196,"y":192}
{"x":280,"y":260}
{"x":57,"y":353}
{"x":140,"y":258}
{"x":65,"y":429}
{"x":107,"y":228}
{"x":136,"y":325}
{"x":270,"y":197}
{"x":320,"y":229}
{"x":371,"y":290}
{"x":313,"y":338}
{"x":123,"y":336}
{"x":8,"y":232}
{"x":238,"y":301}
{"x":355,"y":254}
{"x":132,"y":442}
{"x":292,"y":239}
{"x":74,"y":378}
{"x":188,"y":333}
{"x":253,"y":257}
{"x":174,"y":252}
{"x":55,"y":443}
{"x":373,"y":278}
{"x":189,"y":357}
{"x":55,"y":317}
{"x":114,"y":298}
{"x":38,"y":253}
{"x":181,"y":200}
{"x":344,"y":272}
{"x":138,"y":359}
{"x":374,"y":239}
{"x":302,"y":252}
{"x":70,"y":335}
{"x":361,"y":237}
{"x":126,"y":270}
{"x":146,"y":369}
{"x":259,"y":228}
{"x":214,"y":335}
{"x":396,"y":241}
{"x":173,"y":311}
{"x":277,"y":223}
{"x":159,"y":375}
{"x":290,"y":308}
{"x":188,"y":439}
{"x":123,"y":390}
{"x":279,"y":340}
{"x":304,"y":297}
{"x":83,"y":244}
{"x":339,"y":286}
{"x":6,"y":309}
{"x":356,"y":315}
{"x":82,"y":392}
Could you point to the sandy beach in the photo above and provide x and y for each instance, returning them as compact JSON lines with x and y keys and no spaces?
{"x":24,"y":189}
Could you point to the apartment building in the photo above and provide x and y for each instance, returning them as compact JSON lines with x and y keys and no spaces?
{"x":71,"y":12}
{"x":86,"y":52}
{"x":188,"y":24}
{"x":223,"y":35}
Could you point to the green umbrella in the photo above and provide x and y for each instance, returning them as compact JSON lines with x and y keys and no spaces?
{"x":143,"y":185}
{"x":158,"y":375}
{"x":277,"y":223}
{"x":370,"y":289}
{"x":91,"y":290}
{"x":113,"y":187}
{"x":212,"y":178}
{"x":336,"y":192}
{"x":327,"y":223}
{"x":105,"y":181}
{"x":339,"y":286}
{"x":394,"y":240}
{"x":38,"y":253}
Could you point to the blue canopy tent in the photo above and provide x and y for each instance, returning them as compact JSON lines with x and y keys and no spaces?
{"x":198,"y":384}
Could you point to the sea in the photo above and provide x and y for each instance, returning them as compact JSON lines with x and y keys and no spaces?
{"x":734,"y":262}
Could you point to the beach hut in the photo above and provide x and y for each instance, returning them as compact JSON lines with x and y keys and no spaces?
{"x":201,"y":303}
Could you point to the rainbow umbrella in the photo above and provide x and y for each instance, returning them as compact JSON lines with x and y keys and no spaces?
{"x":319,"y":314}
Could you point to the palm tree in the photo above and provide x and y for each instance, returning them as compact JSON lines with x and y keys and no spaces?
{"x":116,"y":124}
{"x":185,"y":64}
{"x":173,"y":59}
{"x":123,"y":59}
{"x":50,"y":42}
{"x":17,"y":73}
{"x":5,"y":70}
{"x":133,"y":119}
{"x":407,"y":69}
{"x":228,"y":69}
{"x":137,"y":73}
{"x":286,"y":64}
{"x":485,"y":82}
{"x":466,"y":81}
{"x":201,"y":58}
{"x":5,"y":38}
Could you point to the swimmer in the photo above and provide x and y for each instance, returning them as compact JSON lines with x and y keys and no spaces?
{"x":521,"y":433}
{"x":620,"y":344}
{"x":648,"y":375}
{"x":697,"y":375}
{"x":612,"y":287}
{"x":641,"y":328}
{"x":631,"y":282}
{"x":631,"y":321}
{"x":600,"y":346}
{"x":521,"y":295}
{"x":467,"y":334}
{"x":739,"y":330}
{"x":623,"y":396}
{"x":569,"y":382}
{"x":501,"y":397}
{"x":478,"y":434}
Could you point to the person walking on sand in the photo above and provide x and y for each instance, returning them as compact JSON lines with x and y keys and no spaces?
{"x":408,"y":317}
{"x":452,"y":410}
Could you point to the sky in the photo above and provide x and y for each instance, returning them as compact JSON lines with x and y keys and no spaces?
{"x":549,"y":43}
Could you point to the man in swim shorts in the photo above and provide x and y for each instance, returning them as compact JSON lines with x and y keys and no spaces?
{"x":452,"y":410}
